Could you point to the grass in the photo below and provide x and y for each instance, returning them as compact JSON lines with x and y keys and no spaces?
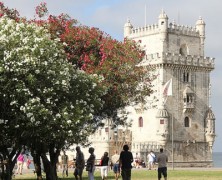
{"x":144,"y":174}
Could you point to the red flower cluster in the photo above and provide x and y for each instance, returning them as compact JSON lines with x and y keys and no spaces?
{"x":41,"y":10}
{"x":12,"y":13}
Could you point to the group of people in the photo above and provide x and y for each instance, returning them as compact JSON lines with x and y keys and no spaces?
{"x":21,"y":160}
{"x":91,"y":162}
{"x":121,"y":163}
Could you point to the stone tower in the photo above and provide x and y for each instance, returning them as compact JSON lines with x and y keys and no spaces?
{"x":183,"y":123}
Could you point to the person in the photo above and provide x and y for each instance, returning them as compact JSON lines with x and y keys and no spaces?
{"x":125,"y":160}
{"x":137,"y":160}
{"x":162,"y":160}
{"x":20,"y":162}
{"x":65,"y":160}
{"x":79,"y":164}
{"x":115,"y":162}
{"x":90,"y":164}
{"x":28,"y":161}
{"x":104,"y":166}
{"x":151,"y":160}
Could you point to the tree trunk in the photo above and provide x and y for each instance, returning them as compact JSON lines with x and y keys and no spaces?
{"x":37,"y":165}
{"x":8,"y":171}
{"x":50,"y":166}
{"x":8,"y":163}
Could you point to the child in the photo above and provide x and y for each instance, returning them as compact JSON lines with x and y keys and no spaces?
{"x":28,"y":162}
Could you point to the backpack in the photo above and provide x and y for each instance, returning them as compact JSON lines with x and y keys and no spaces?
{"x":154,"y":158}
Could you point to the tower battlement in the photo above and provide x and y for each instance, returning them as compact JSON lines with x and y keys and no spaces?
{"x":171,"y":58}
{"x":163,"y":26}
{"x":183,"y":30}
{"x":172,"y":28}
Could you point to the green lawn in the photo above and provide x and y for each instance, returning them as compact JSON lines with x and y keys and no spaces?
{"x":143,"y":174}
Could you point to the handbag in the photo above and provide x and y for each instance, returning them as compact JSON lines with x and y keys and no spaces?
{"x":88,"y":167}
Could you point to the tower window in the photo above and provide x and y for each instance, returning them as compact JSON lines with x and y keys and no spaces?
{"x":183,"y":50}
{"x":162,"y":23}
{"x":161,"y":121}
{"x":187,"y":122}
{"x":186,"y":77}
{"x":140,"y":121}
{"x":106,"y":129}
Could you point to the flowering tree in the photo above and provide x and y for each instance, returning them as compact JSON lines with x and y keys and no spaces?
{"x":95,"y":52}
{"x":46,"y":104}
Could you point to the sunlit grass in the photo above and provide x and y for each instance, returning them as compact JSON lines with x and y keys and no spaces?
{"x":144,"y":174}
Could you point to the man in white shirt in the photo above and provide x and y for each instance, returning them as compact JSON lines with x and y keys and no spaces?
{"x":151,"y":160}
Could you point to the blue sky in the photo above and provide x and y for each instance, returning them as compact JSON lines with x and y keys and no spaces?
{"x":110,"y":16}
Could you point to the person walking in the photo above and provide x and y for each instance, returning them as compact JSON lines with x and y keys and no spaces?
{"x":90,"y":164}
{"x":162,"y":160}
{"x":65,"y":160}
{"x":79,"y":164}
{"x":125,"y":160}
{"x":115,"y":162}
{"x":151,"y":160}
{"x":20,"y":162}
{"x":104,"y":165}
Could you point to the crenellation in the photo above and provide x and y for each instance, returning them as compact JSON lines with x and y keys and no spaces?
{"x":173,"y":58}
{"x":173,"y":28}
{"x":183,"y":30}
{"x":150,"y":29}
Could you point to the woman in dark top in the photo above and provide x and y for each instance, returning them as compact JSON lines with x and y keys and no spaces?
{"x":104,"y":165}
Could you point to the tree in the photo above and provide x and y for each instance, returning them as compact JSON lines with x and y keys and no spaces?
{"x":95,"y":52}
{"x":45,"y":102}
{"x":54,"y":84}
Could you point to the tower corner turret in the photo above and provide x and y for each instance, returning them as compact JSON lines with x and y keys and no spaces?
{"x":200,"y":26}
{"x":210,"y":127}
{"x":163,"y":21}
{"x":162,"y":117}
{"x":127,"y":28}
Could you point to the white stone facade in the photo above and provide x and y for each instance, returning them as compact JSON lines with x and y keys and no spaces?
{"x":185,"y":121}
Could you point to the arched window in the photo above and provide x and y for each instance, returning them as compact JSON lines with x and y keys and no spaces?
{"x":187,"y":122}
{"x":140,"y":122}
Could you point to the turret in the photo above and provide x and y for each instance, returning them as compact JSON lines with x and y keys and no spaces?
{"x":163,"y":21}
{"x":200,"y":26}
{"x":210,"y":128}
{"x":163,"y":28}
{"x":127,"y":28}
{"x":163,"y":129}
